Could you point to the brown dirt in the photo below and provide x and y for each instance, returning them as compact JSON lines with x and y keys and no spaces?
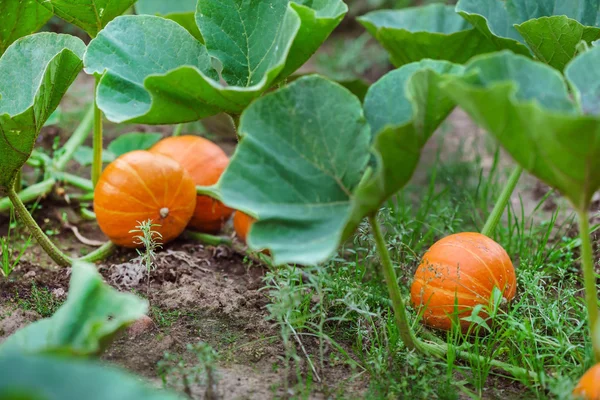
{"x":211,"y":295}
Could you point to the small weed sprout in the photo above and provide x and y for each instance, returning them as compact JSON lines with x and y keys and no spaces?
{"x":9,"y":256}
{"x":151,"y":240}
{"x":175,"y":371}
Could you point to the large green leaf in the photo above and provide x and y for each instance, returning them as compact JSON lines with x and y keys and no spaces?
{"x":300,"y":162}
{"x":403,"y":108}
{"x":181,"y":11}
{"x":19,"y":18}
{"x":85,"y":323}
{"x":550,"y":28}
{"x":27,"y":377}
{"x":133,"y":141}
{"x":89,"y":15}
{"x":252,"y":43}
{"x":302,"y":153}
{"x":433,"y":31}
{"x":35,"y":72}
{"x":527,"y":106}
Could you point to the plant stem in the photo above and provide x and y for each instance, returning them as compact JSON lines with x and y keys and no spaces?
{"x":58,"y":256}
{"x":208,"y":239}
{"x":30,"y":193}
{"x":97,"y":159}
{"x":18,"y":186}
{"x":76,"y":139}
{"x":235,"y":120}
{"x":589,"y":278}
{"x":400,"y":316}
{"x":87,"y":214}
{"x":177,"y":130}
{"x":496,"y":215}
{"x":74,"y":180}
{"x":100,"y":253}
{"x":82,"y":197}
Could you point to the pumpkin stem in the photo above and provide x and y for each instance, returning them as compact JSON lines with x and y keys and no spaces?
{"x":177,"y":130}
{"x":26,"y":219}
{"x":76,"y":139}
{"x":401,"y":318}
{"x":589,"y":280}
{"x":496,"y":214}
{"x":101,"y":253}
{"x":55,"y":254}
{"x":97,"y":157}
{"x":164,"y":212}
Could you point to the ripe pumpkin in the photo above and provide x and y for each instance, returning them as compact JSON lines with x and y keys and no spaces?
{"x":139,"y":186}
{"x":205,"y":162}
{"x":242,"y":223}
{"x":466,"y":265}
{"x":588,"y":387}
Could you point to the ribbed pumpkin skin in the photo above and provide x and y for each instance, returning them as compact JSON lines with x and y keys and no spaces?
{"x":467,"y":265}
{"x":588,"y":387}
{"x":242,"y":223}
{"x":136,"y":187}
{"x":205,"y":162}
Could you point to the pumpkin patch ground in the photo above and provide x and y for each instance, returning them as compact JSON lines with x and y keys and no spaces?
{"x":215,"y":199}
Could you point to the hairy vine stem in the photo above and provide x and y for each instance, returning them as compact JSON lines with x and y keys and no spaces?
{"x":97,"y":158}
{"x":76,"y":139}
{"x":500,"y":206}
{"x":589,"y":279}
{"x":50,"y":248}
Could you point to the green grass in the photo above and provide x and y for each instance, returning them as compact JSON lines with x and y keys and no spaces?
{"x":345,"y":303}
{"x":40,"y":300}
{"x":12,"y":248}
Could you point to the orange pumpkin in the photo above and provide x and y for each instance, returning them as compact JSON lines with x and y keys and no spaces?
{"x":466,"y":266}
{"x":205,"y":162}
{"x":242,"y":223}
{"x":139,"y":186}
{"x":588,"y":387}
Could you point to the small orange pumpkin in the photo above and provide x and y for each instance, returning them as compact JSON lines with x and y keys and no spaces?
{"x":205,"y":162}
{"x":242,"y":223}
{"x":139,"y":186}
{"x":467,"y":266}
{"x":588,"y":387}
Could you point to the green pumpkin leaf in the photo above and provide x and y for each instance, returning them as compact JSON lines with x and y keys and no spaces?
{"x":93,"y":313}
{"x":433,"y":31}
{"x":89,"y":15}
{"x":20,"y":18}
{"x":52,"y":378}
{"x":178,"y":79}
{"x":181,"y":11}
{"x":302,"y":152}
{"x":526,"y":105}
{"x":551,"y":29}
{"x":554,"y":40}
{"x":35,"y":72}
{"x":318,"y":18}
{"x":133,"y":141}
{"x":403,"y":108}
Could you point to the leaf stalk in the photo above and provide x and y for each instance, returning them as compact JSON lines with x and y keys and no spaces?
{"x":500,"y":206}
{"x":97,"y":146}
{"x":589,"y":279}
